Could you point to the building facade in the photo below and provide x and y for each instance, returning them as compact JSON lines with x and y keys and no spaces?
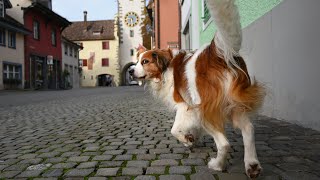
{"x":280,"y":47}
{"x":70,"y":63}
{"x":43,"y":52}
{"x":11,"y":49}
{"x":166,"y":23}
{"x":130,"y":18}
{"x":99,"y":56}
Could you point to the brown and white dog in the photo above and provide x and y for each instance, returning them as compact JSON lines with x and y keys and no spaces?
{"x":208,"y":88}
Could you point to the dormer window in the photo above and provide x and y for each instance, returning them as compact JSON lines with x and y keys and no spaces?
{"x":2,"y":8}
{"x":96,"y":33}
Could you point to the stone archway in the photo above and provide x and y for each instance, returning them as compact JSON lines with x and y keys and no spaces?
{"x":106,"y":80}
{"x":127,"y":80}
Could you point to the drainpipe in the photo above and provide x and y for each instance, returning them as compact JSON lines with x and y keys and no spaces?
{"x":179,"y":30}
{"x":30,"y":72}
{"x":158,"y":23}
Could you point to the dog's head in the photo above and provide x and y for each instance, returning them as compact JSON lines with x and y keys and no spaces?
{"x":151,"y":63}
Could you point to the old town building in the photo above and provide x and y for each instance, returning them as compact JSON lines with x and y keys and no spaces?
{"x":99,"y":58}
{"x":11,"y":49}
{"x":43,"y":52}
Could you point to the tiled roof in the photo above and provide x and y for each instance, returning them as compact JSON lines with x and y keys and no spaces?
{"x":48,"y":13}
{"x":90,"y":30}
{"x":10,"y":23}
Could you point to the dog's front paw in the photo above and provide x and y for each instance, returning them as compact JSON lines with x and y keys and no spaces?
{"x":190,"y":138}
{"x":253,"y":169}
{"x":216,"y":165}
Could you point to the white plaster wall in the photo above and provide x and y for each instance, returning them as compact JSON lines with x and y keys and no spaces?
{"x":12,"y":55}
{"x":282,"y":50}
{"x":185,"y":13}
{"x":189,"y":12}
{"x":130,"y":42}
{"x":16,"y":11}
{"x":98,"y":69}
{"x":195,"y":28}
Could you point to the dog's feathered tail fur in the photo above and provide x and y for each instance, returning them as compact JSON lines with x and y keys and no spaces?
{"x":228,"y":38}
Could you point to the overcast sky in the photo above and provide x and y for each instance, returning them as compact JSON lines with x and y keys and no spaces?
{"x":97,"y":9}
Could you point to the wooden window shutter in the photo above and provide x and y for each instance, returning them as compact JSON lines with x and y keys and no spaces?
{"x":85,"y":62}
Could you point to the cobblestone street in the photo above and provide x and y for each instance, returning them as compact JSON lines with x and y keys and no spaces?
{"x":122,"y":133}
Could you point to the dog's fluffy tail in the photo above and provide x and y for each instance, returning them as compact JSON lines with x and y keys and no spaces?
{"x":229,"y":34}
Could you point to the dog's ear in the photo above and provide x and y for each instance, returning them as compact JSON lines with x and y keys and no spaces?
{"x":141,"y":48}
{"x":161,"y":60}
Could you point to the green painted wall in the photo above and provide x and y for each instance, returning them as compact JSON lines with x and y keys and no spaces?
{"x":250,"y":10}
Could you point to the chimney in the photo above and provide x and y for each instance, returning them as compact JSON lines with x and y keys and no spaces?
{"x":85,"y":15}
{"x":85,"y":19}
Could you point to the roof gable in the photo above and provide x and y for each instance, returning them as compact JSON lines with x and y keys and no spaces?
{"x":90,"y":30}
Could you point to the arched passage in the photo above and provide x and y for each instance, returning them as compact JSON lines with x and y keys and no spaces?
{"x":127,"y":79}
{"x":106,"y":80}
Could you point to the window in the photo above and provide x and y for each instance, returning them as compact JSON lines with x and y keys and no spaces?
{"x":53,"y":37}
{"x":84,"y":77}
{"x":84,"y":62}
{"x":2,"y":37}
{"x":105,"y":45}
{"x":2,"y":9}
{"x":65,"y":49}
{"x":71,"y":51}
{"x":36,"y":30}
{"x":75,"y":52}
{"x":206,"y":16}
{"x":105,"y":62}
{"x":131,"y":33}
{"x":131,"y":52}
{"x":11,"y":71}
{"x":12,"y":39}
{"x":91,"y":77}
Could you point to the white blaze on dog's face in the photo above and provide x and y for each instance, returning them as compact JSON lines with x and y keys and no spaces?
{"x":138,"y":70}
{"x":151,"y":64}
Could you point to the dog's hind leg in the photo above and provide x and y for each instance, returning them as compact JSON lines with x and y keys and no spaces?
{"x":223,"y":146}
{"x":252,"y":164}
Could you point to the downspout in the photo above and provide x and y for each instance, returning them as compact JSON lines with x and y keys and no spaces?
{"x":179,"y":30}
{"x":158,"y":23}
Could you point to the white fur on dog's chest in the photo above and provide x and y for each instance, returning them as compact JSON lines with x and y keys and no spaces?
{"x":164,"y":89}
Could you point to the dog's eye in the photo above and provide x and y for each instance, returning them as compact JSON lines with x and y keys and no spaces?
{"x":145,"y":62}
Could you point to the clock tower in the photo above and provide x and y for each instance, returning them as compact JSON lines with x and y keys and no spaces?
{"x":130,"y":14}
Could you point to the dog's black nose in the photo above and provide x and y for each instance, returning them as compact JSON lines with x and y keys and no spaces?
{"x":131,"y":72}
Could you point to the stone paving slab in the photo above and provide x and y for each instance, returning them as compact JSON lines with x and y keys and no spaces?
{"x":122,"y":133}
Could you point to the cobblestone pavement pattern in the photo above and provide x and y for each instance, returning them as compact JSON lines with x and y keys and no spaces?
{"x":122,"y":133}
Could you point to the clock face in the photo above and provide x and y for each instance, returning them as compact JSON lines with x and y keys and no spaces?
{"x":131,"y":19}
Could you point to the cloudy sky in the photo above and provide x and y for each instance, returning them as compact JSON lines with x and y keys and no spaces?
{"x":97,"y":9}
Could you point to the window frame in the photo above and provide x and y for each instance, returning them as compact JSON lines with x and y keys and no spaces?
{"x":105,"y":45}
{"x":2,"y":8}
{"x":105,"y":64}
{"x":70,"y":51}
{"x":75,"y":52}
{"x":131,"y":33}
{"x":205,"y":24}
{"x":54,"y":37}
{"x":66,"y":49}
{"x":12,"y":39}
{"x":84,"y":64}
{"x":16,"y":71}
{"x":131,"y":52}
{"x":4,"y":34}
{"x":37,"y":29}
